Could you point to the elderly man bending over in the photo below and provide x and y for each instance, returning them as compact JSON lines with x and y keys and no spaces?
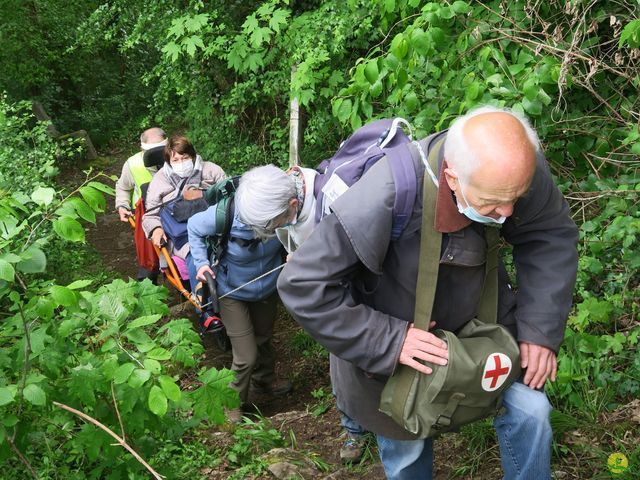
{"x":354,"y":290}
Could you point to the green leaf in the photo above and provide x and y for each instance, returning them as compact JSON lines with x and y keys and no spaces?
{"x":344,"y":110}
{"x":391,"y":61}
{"x":143,"y":321}
{"x":376,"y":89}
{"x":159,"y":354}
{"x":93,"y":197}
{"x":153,"y":366}
{"x":33,"y":261}
{"x":69,"y":229}
{"x":630,"y":34}
{"x":34,"y":394}
{"x":6,"y":396}
{"x":139,"y":377}
{"x":390,"y":5}
{"x":371,"y":71}
{"x":157,"y":401}
{"x":82,"y":209}
{"x":7,"y":272}
{"x":420,"y":41}
{"x":532,"y":107}
{"x":411,"y":102}
{"x":63,"y":295}
{"x":169,"y":387}
{"x":123,"y":372}
{"x":78,"y":284}
{"x":399,"y":46}
{"x":460,"y":7}
{"x":43,"y":195}
{"x":102,"y":187}
{"x":172,"y":50}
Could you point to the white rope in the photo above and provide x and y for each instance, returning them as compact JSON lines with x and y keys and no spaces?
{"x":243,"y":285}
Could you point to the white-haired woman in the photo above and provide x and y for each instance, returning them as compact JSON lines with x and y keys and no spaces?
{"x":273,"y":201}
{"x":267,"y":199}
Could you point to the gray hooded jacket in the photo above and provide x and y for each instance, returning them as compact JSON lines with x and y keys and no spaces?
{"x":354,"y":290}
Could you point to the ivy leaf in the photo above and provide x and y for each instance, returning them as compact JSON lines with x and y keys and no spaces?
{"x":63,"y":295}
{"x":43,"y":196}
{"x":94,"y":198}
{"x":7,"y":272}
{"x":33,"y":261}
{"x":157,"y":401}
{"x":34,"y":394}
{"x":123,"y":372}
{"x":6,"y":396}
{"x":69,"y":229}
{"x":169,"y":387}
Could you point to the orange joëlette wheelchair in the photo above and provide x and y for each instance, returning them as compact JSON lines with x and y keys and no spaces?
{"x":206,"y":305}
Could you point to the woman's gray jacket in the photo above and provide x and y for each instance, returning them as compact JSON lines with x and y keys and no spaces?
{"x":353,"y":289}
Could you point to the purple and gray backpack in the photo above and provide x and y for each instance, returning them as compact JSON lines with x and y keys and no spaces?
{"x":357,"y":154}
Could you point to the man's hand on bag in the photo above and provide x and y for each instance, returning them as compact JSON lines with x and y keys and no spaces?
{"x":158,"y":237}
{"x":124,"y":213}
{"x":425,"y":346}
{"x":540,"y":363}
{"x":202,"y":270}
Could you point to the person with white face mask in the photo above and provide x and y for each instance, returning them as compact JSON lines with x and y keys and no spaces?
{"x":184,"y":174}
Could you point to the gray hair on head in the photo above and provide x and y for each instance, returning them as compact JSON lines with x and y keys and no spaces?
{"x":457,"y":151}
{"x":156,"y":134}
{"x":263,"y":196}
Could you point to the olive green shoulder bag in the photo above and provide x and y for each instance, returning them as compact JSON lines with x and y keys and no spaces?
{"x":484,"y":358}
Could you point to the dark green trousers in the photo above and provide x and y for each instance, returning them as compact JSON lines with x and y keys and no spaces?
{"x":250,"y":329}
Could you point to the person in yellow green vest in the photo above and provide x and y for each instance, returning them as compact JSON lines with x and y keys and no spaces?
{"x":136,"y":172}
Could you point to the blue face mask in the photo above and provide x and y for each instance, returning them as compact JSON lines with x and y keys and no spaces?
{"x":473,"y":215}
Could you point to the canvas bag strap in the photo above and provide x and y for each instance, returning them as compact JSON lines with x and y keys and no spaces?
{"x":428,"y":266}
{"x":430,"y":244}
{"x":488,"y":308}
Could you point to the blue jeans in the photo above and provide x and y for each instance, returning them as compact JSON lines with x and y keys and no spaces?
{"x":524,"y":434}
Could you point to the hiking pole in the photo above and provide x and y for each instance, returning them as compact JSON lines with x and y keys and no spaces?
{"x":245,"y":284}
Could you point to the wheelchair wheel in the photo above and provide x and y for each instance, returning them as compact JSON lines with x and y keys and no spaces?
{"x":221,"y":339}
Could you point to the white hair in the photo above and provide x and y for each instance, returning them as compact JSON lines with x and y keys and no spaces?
{"x":154,"y":133}
{"x":262,"y":196}
{"x":457,"y":151}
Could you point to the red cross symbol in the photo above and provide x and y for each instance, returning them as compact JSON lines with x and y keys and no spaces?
{"x":496,"y":373}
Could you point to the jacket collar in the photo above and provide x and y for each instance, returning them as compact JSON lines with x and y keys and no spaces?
{"x":448,"y":218}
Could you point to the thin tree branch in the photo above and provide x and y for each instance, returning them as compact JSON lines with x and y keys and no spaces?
{"x":115,"y":404}
{"x":120,"y":441}
{"x":22,"y":458}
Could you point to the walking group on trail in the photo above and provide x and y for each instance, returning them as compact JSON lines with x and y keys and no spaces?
{"x":387,"y":256}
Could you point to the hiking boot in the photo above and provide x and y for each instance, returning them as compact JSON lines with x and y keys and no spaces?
{"x":352,"y":450}
{"x":277,"y":388}
{"x":234,"y":415}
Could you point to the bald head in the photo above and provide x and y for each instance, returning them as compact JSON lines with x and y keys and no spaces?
{"x":504,"y":152}
{"x":153,"y":135}
{"x":491,"y":153}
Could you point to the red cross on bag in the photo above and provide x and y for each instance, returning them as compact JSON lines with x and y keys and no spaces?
{"x":496,"y":371}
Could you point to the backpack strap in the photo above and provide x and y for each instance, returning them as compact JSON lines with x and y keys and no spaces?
{"x":404,"y":177}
